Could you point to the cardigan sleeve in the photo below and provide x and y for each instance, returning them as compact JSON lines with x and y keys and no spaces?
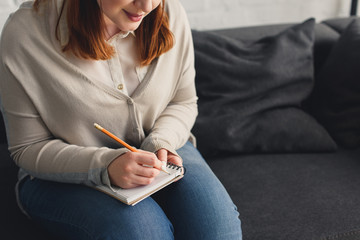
{"x":172,"y":128}
{"x":37,"y":151}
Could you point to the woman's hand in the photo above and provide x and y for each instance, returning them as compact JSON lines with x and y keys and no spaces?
{"x":128,"y":170}
{"x":167,"y":156}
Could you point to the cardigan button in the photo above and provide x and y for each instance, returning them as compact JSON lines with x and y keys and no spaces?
{"x":130,"y":101}
{"x":120,"y":86}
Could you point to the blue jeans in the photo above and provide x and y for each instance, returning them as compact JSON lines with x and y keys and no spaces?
{"x":196,"y":207}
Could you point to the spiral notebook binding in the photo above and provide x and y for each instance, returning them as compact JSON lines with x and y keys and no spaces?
{"x":173,"y":166}
{"x":176,"y":167}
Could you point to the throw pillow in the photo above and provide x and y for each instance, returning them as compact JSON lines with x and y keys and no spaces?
{"x":338,"y":92}
{"x":250,"y":93}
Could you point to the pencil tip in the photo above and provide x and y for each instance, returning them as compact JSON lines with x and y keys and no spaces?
{"x":97,"y":126}
{"x":163,"y":168}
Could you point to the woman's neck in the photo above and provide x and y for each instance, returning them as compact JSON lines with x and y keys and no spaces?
{"x":110,"y":28}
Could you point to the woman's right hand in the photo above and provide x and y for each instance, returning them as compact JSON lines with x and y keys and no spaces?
{"x":128,"y":170}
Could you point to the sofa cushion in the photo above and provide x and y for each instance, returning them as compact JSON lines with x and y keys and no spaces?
{"x":337,"y":97}
{"x":250,"y":93}
{"x":294,"y":196}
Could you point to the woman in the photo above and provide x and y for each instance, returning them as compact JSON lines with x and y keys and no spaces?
{"x":128,"y":65}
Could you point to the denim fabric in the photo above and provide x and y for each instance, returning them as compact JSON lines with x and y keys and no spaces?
{"x":196,"y":207}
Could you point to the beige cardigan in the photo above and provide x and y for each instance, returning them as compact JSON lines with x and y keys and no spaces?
{"x":49,"y":104}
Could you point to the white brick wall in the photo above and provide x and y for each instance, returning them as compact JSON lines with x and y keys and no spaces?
{"x":215,"y":14}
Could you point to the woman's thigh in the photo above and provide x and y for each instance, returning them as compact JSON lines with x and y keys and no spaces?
{"x":71,"y":211}
{"x":198,"y":205}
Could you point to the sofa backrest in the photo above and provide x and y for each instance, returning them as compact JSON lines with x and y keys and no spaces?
{"x":326,"y":34}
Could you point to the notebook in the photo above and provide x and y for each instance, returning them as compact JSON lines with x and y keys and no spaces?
{"x":134,"y":195}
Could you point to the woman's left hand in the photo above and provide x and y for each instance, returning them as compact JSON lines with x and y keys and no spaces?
{"x":167,"y":156}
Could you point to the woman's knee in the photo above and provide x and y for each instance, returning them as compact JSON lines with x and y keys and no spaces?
{"x":207,"y":208}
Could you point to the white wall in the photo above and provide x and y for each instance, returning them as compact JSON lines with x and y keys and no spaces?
{"x":214,"y":14}
{"x":6,"y":7}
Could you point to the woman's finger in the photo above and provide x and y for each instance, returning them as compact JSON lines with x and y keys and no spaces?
{"x":144,"y":171}
{"x":149,"y":160}
{"x":162,"y":155}
{"x":141,"y":181}
{"x":175,"y":159}
{"x":137,"y":181}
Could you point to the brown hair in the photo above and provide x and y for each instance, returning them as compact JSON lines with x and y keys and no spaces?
{"x":87,"y":37}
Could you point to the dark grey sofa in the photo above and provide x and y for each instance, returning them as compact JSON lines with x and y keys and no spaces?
{"x":285,"y":188}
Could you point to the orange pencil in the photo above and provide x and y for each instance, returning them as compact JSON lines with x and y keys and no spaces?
{"x":163,"y":168}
